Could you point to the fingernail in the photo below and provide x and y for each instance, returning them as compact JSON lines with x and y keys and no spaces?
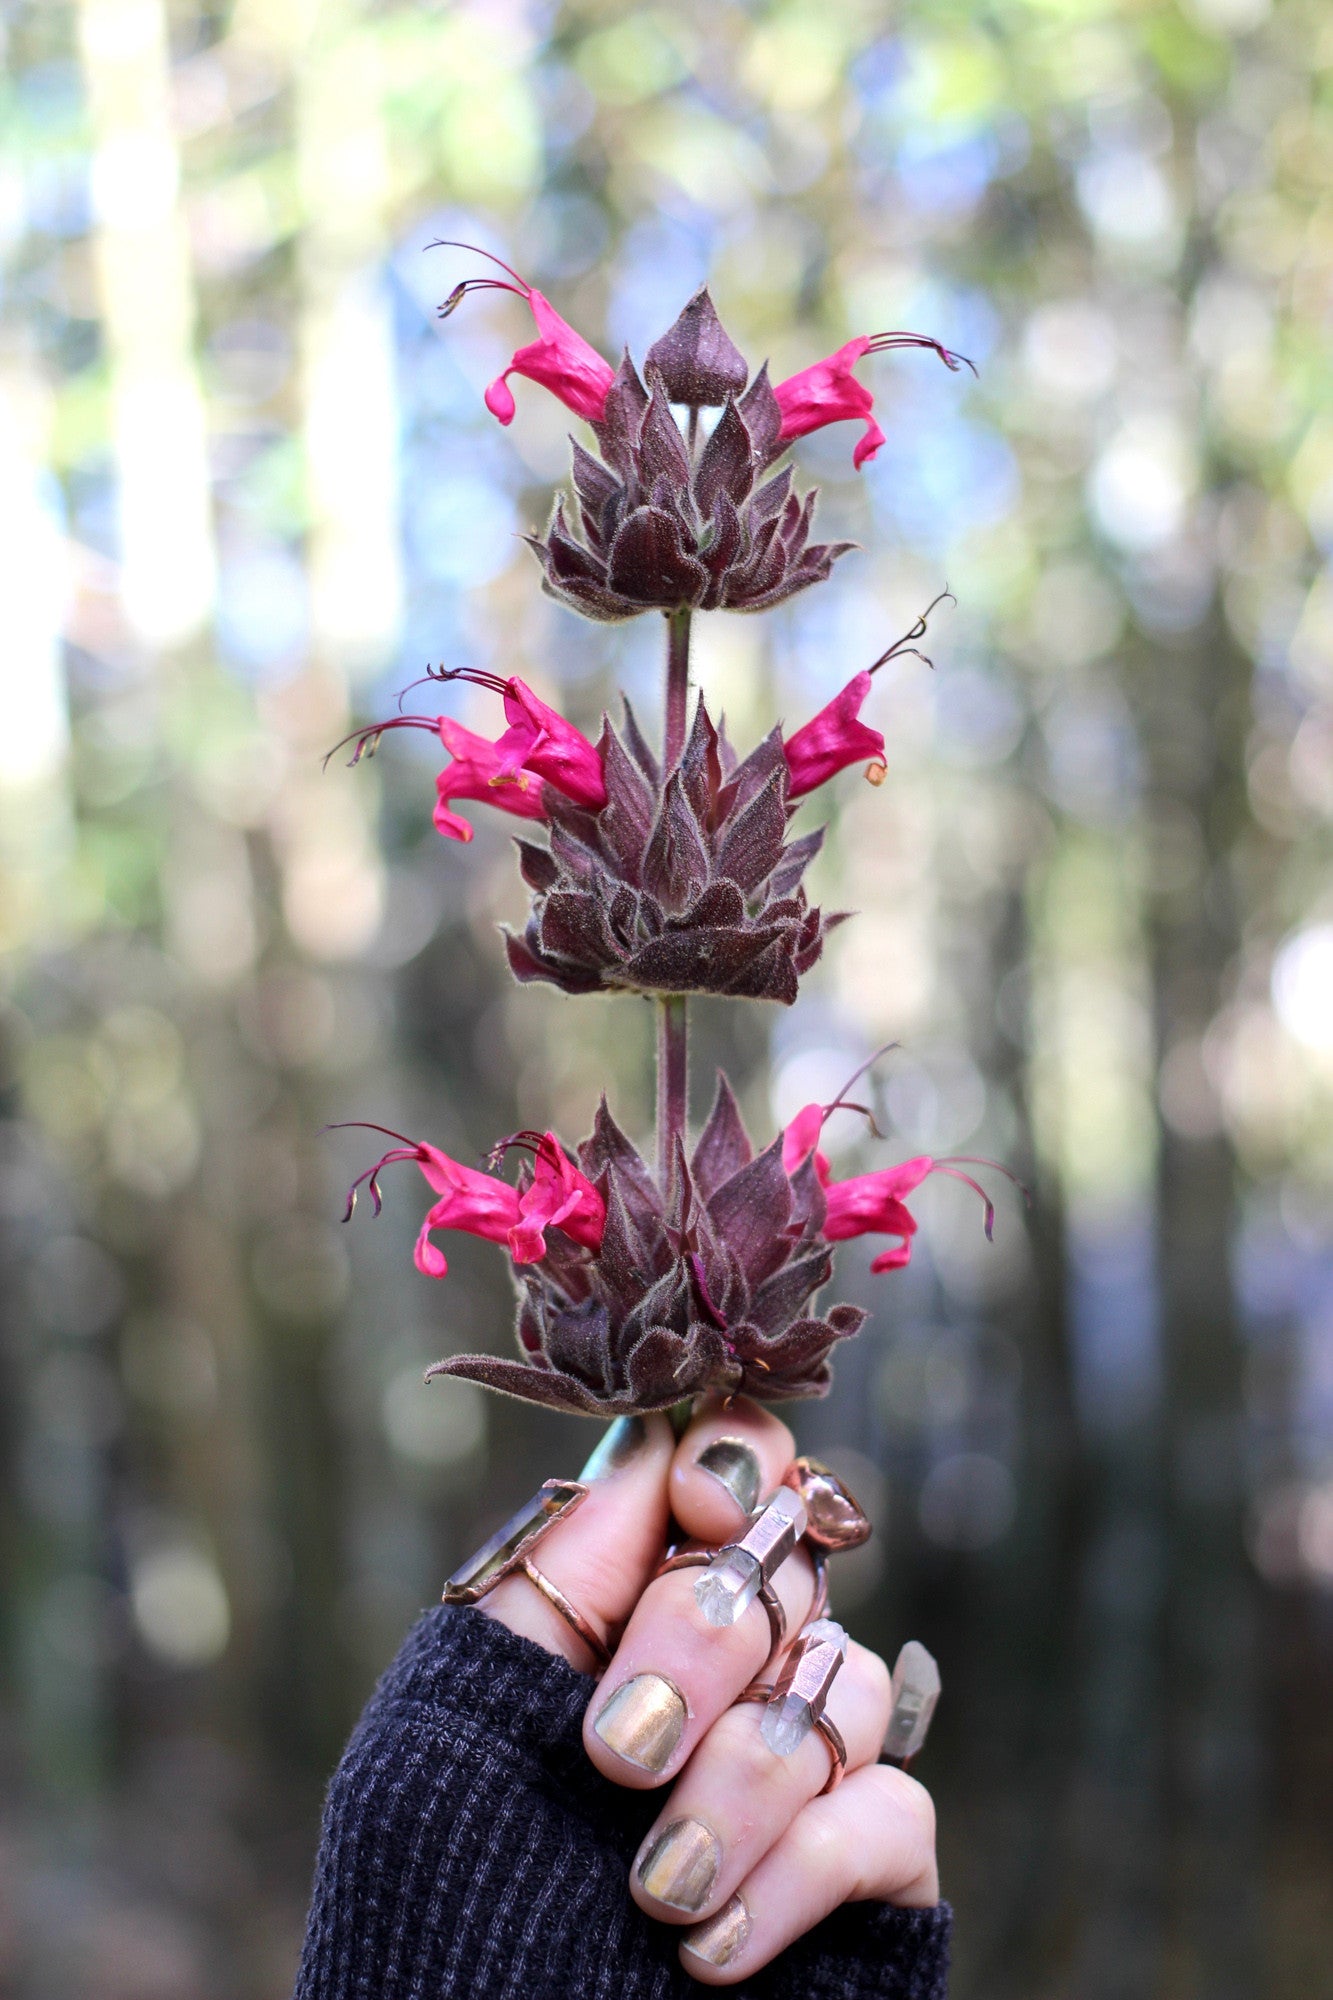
{"x":732,"y":1463}
{"x":616,"y":1447}
{"x":682,"y":1864}
{"x":718,"y":1941}
{"x":643,"y":1721}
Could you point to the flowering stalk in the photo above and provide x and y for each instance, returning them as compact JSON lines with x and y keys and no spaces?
{"x":665,"y":872}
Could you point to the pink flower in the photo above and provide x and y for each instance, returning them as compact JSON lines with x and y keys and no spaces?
{"x":559,"y":359}
{"x":479,"y":1204}
{"x":832,"y":740}
{"x":828,"y":392}
{"x":538,"y":746}
{"x":872,"y":1204}
{"x":560,"y":1198}
{"x":539,"y":739}
{"x":479,"y":772}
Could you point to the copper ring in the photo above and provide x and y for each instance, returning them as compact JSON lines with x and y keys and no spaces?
{"x":699,"y":1558}
{"x":571,"y":1614}
{"x":820,"y":1604}
{"x":827,"y":1728}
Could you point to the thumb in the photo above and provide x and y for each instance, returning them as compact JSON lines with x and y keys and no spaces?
{"x":603,"y":1555}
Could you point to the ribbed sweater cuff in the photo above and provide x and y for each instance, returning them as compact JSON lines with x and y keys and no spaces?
{"x":470,"y":1848}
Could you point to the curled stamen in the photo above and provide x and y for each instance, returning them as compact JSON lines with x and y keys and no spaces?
{"x":902,"y":647}
{"x":988,"y":1220}
{"x":407,"y":1149}
{"x":466,"y":285}
{"x":372,"y":1177}
{"x":842,"y":1103}
{"x":522,"y":1142}
{"x":452,"y":243}
{"x":976,"y":1160}
{"x":881,"y":342}
{"x":367,"y":740}
{"x":474,"y":676}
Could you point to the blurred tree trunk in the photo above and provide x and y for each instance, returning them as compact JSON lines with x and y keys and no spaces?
{"x":1196,"y":709}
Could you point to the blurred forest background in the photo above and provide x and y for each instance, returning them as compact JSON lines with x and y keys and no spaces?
{"x":248,"y":490}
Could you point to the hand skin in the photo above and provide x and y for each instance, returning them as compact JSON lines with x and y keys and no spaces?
{"x":745,"y":1853}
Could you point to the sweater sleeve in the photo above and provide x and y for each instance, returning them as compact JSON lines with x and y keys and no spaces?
{"x":469,"y":1848}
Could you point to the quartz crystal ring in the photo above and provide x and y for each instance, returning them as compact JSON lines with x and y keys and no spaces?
{"x":508,"y":1552}
{"x":742,"y":1570}
{"x":828,"y":1729}
{"x":914,"y":1692}
{"x":694,"y":1556}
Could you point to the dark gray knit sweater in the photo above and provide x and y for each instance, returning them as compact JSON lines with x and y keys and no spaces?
{"x":470,"y":1849}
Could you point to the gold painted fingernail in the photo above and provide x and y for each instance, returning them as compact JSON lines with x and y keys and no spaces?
{"x":616,"y":1447}
{"x":734,"y":1465}
{"x":681,"y":1865}
{"x":718,"y":1941}
{"x":643,"y":1721}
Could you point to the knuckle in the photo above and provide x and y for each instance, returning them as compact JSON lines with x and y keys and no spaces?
{"x":748,"y":1759}
{"x":910,"y":1812}
{"x":919,"y":1807}
{"x":826,"y":1849}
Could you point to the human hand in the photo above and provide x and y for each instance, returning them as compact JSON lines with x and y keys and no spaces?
{"x":747,"y":1842}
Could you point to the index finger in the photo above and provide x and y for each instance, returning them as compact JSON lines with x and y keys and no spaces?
{"x":674,"y":1672}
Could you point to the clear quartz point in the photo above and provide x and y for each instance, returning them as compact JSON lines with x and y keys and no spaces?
{"x":784,"y":1725}
{"x":916,"y":1689}
{"x":808,"y":1673}
{"x":826,"y":1632}
{"x":730,"y":1584}
{"x":728,"y":1587}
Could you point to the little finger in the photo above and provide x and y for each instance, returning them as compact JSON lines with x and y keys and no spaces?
{"x":871,"y":1840}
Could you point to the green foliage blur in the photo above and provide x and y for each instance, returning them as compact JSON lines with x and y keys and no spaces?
{"x":248,"y":492}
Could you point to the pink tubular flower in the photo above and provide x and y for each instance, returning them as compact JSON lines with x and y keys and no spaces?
{"x":539,"y":739}
{"x":872,"y":1204}
{"x":479,"y":772}
{"x":832,"y":740}
{"x":538,"y":746}
{"x":560,"y":1198}
{"x":479,"y":1204}
{"x":559,"y":359}
{"x":828,"y":392}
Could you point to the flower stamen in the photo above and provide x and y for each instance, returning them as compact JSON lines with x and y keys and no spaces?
{"x":880,"y":343}
{"x":901,"y":647}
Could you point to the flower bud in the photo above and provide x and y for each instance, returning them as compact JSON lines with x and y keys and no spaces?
{"x":698,"y":362}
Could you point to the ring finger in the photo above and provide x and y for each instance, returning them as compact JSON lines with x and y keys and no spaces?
{"x":737,"y":1797}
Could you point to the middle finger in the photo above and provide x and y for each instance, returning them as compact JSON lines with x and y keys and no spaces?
{"x":673,"y":1674}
